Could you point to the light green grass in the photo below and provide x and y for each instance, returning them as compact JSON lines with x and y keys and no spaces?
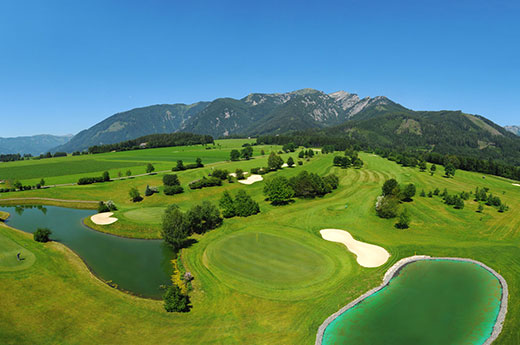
{"x":151,"y":215}
{"x":8,"y":255}
{"x":235,"y":308}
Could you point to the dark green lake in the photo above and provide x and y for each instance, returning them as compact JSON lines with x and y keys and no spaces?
{"x":137,"y":266}
{"x":430,"y":302}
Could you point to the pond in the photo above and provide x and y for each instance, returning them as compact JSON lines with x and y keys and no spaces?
{"x":428,"y":302}
{"x":137,"y":266}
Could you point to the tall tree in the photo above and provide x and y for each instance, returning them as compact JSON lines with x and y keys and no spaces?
{"x":278,"y":190}
{"x":175,"y":227}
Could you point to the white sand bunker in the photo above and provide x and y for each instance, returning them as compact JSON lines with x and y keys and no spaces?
{"x":516,"y":184}
{"x":252,"y":179}
{"x":285,"y":165}
{"x":103,"y":218}
{"x":368,"y":255}
{"x":235,"y":175}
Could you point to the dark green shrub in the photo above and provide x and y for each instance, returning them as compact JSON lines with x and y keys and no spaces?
{"x":42,"y":235}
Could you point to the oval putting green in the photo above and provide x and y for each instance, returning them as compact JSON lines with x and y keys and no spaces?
{"x":8,"y":256}
{"x":150,"y":215}
{"x":268,"y":265}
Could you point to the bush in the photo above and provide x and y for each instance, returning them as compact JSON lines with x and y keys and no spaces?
{"x":42,"y":235}
{"x":90,"y":180}
{"x":205,"y":182}
{"x":106,"y":176}
{"x":404,"y":220}
{"x":175,"y":300}
{"x":191,"y":166}
{"x":171,"y":180}
{"x":102,"y":207}
{"x":300,"y":163}
{"x":149,"y":168}
{"x":134,"y":195}
{"x":171,"y":190}
{"x":220,"y":174}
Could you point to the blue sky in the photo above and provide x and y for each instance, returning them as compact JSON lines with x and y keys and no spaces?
{"x":66,"y":65}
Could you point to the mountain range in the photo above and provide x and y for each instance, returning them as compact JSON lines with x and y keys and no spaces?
{"x":33,"y":145}
{"x":255,"y":114}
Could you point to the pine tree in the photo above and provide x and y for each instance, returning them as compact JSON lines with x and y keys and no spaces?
{"x":227,"y":205}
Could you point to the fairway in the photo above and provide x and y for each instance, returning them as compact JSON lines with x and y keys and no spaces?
{"x":8,"y":255}
{"x":268,"y":262}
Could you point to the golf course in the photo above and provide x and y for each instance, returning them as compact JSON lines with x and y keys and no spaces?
{"x":269,"y":278}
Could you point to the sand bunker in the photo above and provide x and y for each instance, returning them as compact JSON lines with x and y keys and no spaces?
{"x":103,"y":218}
{"x":516,"y":184}
{"x":252,"y":179}
{"x":285,"y":165}
{"x":368,"y":255}
{"x":235,"y":175}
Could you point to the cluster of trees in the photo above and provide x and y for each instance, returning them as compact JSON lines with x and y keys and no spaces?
{"x":327,"y":149}
{"x":289,"y":147}
{"x":246,"y":153}
{"x":350,"y":158}
{"x":281,"y":190}
{"x":107,"y":206}
{"x":180,"y":165}
{"x":12,"y":157}
{"x":241,"y":206}
{"x":155,"y":140}
{"x":89,"y":180}
{"x":177,"y":226}
{"x":306,"y":153}
{"x":490,"y":199}
{"x":388,"y":203}
{"x":482,"y":161}
{"x":457,"y":200}
{"x":172,"y":185}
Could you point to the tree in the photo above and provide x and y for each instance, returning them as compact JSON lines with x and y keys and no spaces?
{"x":423,"y":193}
{"x":502,"y":208}
{"x":301,"y":154}
{"x":227,"y":205}
{"x":198,"y":161}
{"x":449,"y":170}
{"x":278,"y":190}
{"x":171,"y":180}
{"x":245,"y":206}
{"x":430,"y":194}
{"x":234,"y":155}
{"x":175,"y":300}
{"x":274,"y":162}
{"x":18,"y":184}
{"x":175,"y":227}
{"x":239,"y":174}
{"x":247,"y":152}
{"x":148,"y":191}
{"x":180,"y":166}
{"x":310,"y":153}
{"x":290,"y":162}
{"x":408,"y":192}
{"x":358,"y":163}
{"x":134,"y":195}
{"x":480,"y":208}
{"x":422,"y":166}
{"x":404,"y":220}
{"x":149,"y":168}
{"x":42,"y":182}
{"x":459,"y":203}
{"x":106,"y":176}
{"x":128,"y":173}
{"x":42,"y":235}
{"x":387,"y":206}
{"x":432,"y":169}
{"x":390,"y":187}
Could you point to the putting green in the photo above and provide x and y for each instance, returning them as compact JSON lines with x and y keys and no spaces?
{"x":269,"y":265}
{"x":8,"y":259}
{"x":150,"y":215}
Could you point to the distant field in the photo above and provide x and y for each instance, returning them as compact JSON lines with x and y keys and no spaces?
{"x":69,"y":169}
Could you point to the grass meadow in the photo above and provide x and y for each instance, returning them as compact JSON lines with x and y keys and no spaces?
{"x":265,"y":279}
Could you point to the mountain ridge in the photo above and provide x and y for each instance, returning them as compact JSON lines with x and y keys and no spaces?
{"x":32,"y":144}
{"x":254,"y":114}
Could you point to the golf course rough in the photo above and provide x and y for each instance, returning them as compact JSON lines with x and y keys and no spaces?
{"x":499,"y":307}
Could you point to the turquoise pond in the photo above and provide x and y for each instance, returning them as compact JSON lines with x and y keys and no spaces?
{"x":430,"y":302}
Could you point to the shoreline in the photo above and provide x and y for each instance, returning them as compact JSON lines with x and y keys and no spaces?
{"x":394,"y":271}
{"x":92,"y":273}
